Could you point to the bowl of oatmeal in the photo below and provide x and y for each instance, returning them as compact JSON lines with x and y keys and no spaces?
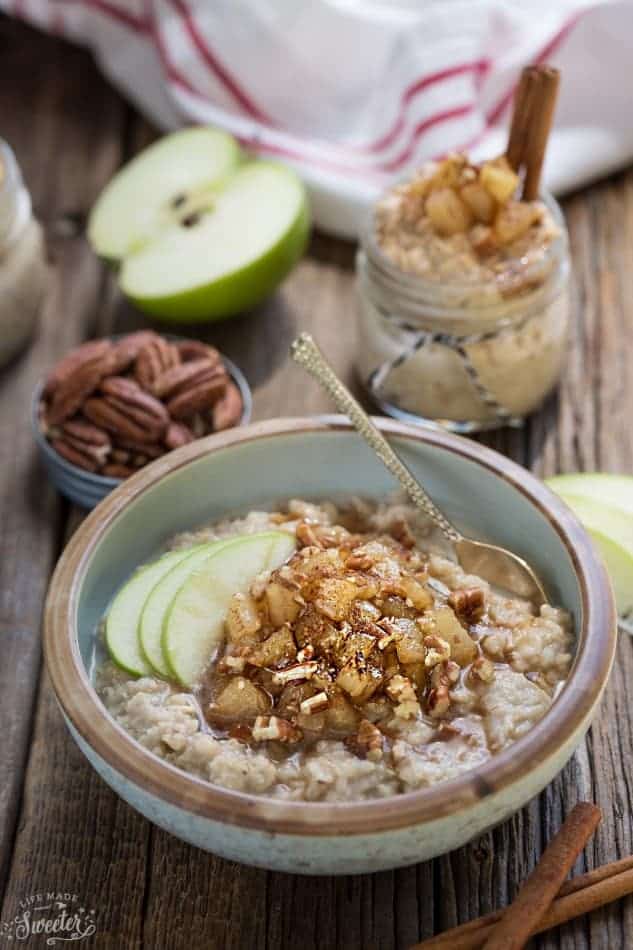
{"x":293,"y":672}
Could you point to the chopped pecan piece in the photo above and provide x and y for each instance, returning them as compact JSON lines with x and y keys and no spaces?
{"x":400,"y":690}
{"x":272,"y":728}
{"x":368,"y":741}
{"x":482,"y":670}
{"x":314,"y":704}
{"x":298,"y":671}
{"x":437,"y":651}
{"x":469,"y":604}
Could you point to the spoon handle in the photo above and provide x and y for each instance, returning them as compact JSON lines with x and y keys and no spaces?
{"x":306,"y":353}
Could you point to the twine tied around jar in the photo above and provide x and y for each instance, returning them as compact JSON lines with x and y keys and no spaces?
{"x":378,"y":376}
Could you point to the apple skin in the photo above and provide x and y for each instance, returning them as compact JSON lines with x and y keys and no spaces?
{"x":236,"y":292}
{"x":604,"y":504}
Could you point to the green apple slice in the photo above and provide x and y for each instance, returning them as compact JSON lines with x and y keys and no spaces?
{"x":122,"y":623}
{"x":158,"y":187}
{"x":610,"y":527}
{"x":194,"y":626}
{"x":227,"y":253}
{"x":613,"y":490}
{"x":158,"y":602}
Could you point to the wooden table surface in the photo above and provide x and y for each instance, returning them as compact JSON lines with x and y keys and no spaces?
{"x":60,"y":826}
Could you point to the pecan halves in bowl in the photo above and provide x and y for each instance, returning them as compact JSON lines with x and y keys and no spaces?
{"x":199,"y":396}
{"x":110,"y":407}
{"x":156,"y":356}
{"x":75,"y":385}
{"x":227,"y":411}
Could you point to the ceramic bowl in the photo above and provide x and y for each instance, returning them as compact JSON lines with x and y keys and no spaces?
{"x":86,"y":488}
{"x":484,"y":494}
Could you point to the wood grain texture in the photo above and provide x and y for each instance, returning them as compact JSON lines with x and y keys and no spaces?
{"x":59,"y":824}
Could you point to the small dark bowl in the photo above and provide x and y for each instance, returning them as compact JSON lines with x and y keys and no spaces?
{"x":85,"y":488}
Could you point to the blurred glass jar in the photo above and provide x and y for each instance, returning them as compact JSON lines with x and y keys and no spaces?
{"x":460,"y":354}
{"x":23,"y":268}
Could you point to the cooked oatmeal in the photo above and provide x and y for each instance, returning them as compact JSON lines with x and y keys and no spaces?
{"x":365,"y":666}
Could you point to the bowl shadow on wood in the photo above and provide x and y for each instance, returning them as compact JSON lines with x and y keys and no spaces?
{"x":257,"y":341}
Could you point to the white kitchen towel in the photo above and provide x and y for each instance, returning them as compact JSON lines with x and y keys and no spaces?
{"x":356,"y":93}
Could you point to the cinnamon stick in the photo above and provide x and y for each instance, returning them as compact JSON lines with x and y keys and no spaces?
{"x":540,"y":124}
{"x":541,"y":887}
{"x":582,"y":895}
{"x":520,"y":118}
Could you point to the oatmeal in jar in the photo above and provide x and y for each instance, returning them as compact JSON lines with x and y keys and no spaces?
{"x":463,"y":308}
{"x":363,"y":666}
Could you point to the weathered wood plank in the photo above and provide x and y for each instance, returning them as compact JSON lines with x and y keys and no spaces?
{"x":63,"y":163}
{"x":68,"y":148}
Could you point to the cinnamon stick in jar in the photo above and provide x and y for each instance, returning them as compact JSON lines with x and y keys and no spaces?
{"x":539,"y":130}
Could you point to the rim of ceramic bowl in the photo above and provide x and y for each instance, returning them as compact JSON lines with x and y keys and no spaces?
{"x":105,"y":481}
{"x":596,"y":642}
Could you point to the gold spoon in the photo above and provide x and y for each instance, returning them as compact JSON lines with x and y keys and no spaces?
{"x":499,"y":567}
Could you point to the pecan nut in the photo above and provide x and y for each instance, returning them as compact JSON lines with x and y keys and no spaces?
{"x":469,"y":604}
{"x":74,"y":455}
{"x":86,"y":432}
{"x":196,"y":349}
{"x":228,"y":410}
{"x":178,"y":378}
{"x":178,"y":434}
{"x":199,"y":396}
{"x":368,"y":741}
{"x":156,"y":356}
{"x":102,"y":412}
{"x":127,"y":349}
{"x":117,"y":470}
{"x":93,"y":349}
{"x":152,"y":450}
{"x":77,"y":384}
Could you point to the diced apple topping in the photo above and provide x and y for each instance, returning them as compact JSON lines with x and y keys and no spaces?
{"x":447,"y":212}
{"x":459,"y":198}
{"x":499,"y":179}
{"x":242,"y":619}
{"x":345,"y":640}
{"x":480,"y":201}
{"x":514,"y":219}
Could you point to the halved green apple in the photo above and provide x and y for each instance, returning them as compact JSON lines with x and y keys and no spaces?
{"x":200,"y":235}
{"x":604,"y":504}
{"x":122,"y":623}
{"x":194,"y":625}
{"x":227,"y":254}
{"x":157,"y":188}
{"x":158,"y":602}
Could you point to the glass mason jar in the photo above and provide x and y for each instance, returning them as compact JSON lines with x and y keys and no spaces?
{"x":461,"y":354}
{"x":23,"y":268}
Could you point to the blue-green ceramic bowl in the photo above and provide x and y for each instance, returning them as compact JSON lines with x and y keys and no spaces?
{"x":259,"y":465}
